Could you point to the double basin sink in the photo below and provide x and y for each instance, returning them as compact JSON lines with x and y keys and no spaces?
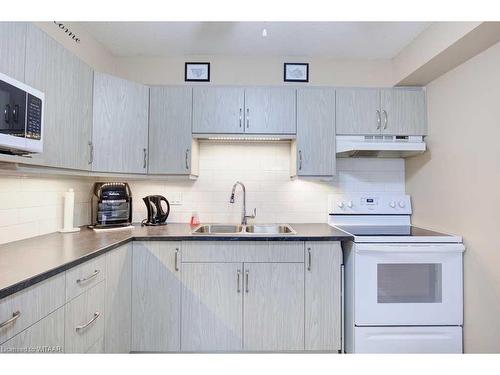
{"x":236,"y":229}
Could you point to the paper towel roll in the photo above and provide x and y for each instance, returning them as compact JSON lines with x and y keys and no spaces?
{"x":69,"y":211}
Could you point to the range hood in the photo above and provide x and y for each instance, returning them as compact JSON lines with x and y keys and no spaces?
{"x":387,"y":146}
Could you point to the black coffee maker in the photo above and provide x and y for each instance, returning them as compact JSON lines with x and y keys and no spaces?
{"x":156,"y":214}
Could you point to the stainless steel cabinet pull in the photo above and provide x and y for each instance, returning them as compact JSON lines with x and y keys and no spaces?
{"x":91,"y":158}
{"x":308,"y":258}
{"x":240,"y":116}
{"x":15,"y":316}
{"x":96,"y":272}
{"x":385,"y":118}
{"x":145,"y":163}
{"x":176,"y":259}
{"x":379,"y":120}
{"x":246,"y":281}
{"x":300,"y":160}
{"x":248,"y":118}
{"x":83,"y":326}
{"x":342,"y":310}
{"x":187,"y":158}
{"x":238,"y":274}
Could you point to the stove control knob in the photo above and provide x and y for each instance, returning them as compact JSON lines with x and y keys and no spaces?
{"x":340,"y":204}
{"x":349,"y":204}
{"x":392,"y":204}
{"x":402,"y":204}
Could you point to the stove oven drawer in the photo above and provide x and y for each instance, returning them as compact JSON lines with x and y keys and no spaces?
{"x":408,"y":340}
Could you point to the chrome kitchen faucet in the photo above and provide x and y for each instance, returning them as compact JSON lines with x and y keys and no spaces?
{"x":244,"y":215}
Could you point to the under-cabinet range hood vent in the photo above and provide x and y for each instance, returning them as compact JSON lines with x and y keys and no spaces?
{"x":379,"y":146}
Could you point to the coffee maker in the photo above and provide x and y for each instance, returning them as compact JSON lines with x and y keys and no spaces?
{"x":156,"y":214}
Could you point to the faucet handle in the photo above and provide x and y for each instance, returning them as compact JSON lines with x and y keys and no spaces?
{"x":254,"y":214}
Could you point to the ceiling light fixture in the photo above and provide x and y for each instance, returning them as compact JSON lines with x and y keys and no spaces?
{"x":264,"y":32}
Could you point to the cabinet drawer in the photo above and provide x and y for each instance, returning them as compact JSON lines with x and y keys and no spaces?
{"x":84,"y":320}
{"x":97,"y":348}
{"x":30,"y":305}
{"x":85,"y":276}
{"x":45,"y":336}
{"x":243,"y":251}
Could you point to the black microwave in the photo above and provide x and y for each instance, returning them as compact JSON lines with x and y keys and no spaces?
{"x":21,"y":117}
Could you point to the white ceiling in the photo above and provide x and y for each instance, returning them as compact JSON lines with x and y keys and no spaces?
{"x":342,"y":40}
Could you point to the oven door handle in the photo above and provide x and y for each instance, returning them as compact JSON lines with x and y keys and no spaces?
{"x":413,"y":249}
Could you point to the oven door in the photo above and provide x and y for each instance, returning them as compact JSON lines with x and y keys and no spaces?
{"x":408,"y":284}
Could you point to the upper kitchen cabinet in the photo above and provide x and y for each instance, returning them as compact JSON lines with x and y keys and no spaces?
{"x":171,"y":148}
{"x":120,"y":127}
{"x":358,"y":111}
{"x":12,"y":49}
{"x":403,"y":111}
{"x":67,"y":84}
{"x":314,"y":149}
{"x":394,"y":111}
{"x":218,"y":110}
{"x":270,"y":110}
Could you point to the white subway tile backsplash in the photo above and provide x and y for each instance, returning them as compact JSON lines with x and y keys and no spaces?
{"x":31,"y":206}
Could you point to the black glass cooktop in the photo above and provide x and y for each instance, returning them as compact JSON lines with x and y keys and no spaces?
{"x":389,"y":230}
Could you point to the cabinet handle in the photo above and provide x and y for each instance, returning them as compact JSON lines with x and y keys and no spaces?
{"x":91,"y":157}
{"x":238,"y":275}
{"x":386,"y":118}
{"x":83,"y":326}
{"x":15,"y":316}
{"x":94,"y":274}
{"x":379,"y":120}
{"x":145,"y":163}
{"x":309,"y":258}
{"x":248,"y":118}
{"x":300,"y":160}
{"x":176,"y":259}
{"x":240,"y":116}
{"x":342,"y":310}
{"x":187,"y":158}
{"x":246,"y":281}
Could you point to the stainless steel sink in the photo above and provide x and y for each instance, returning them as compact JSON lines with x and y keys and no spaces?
{"x":270,"y":229}
{"x":257,"y":229}
{"x":218,"y":229}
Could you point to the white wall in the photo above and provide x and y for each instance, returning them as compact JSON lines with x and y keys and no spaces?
{"x":455,"y":186}
{"x":32,"y":206}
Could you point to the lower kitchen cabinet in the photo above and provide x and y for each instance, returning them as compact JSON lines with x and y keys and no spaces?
{"x":118,"y":300}
{"x":273,"y":307}
{"x":156,"y":296}
{"x":45,"y":336}
{"x":84,"y":320}
{"x":323,"y":302}
{"x":212,"y":306}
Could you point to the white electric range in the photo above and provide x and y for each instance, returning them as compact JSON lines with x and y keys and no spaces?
{"x":403,"y":284}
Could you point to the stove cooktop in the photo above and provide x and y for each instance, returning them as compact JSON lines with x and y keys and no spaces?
{"x":396,"y":233}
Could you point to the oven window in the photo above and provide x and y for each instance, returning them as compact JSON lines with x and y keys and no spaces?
{"x":409,"y":283}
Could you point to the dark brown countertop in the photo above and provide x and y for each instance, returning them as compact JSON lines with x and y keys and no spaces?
{"x":27,"y":262}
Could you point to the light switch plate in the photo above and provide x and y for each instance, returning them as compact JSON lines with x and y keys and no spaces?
{"x":175,"y":199}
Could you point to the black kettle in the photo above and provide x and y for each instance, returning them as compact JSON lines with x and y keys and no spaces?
{"x":156,"y":214}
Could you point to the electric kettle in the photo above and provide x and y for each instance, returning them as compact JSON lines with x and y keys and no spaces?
{"x":156,"y":213}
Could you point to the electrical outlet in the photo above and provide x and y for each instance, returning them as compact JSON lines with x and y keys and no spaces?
{"x":175,"y":199}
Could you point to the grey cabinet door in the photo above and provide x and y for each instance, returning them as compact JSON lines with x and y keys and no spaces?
{"x":270,"y":110}
{"x":315,"y":132}
{"x":212,"y":306}
{"x":273,"y":307}
{"x":67,"y":84}
{"x":170,"y":130}
{"x":12,"y":49}
{"x":156,"y":296}
{"x":120,"y":126}
{"x":118,"y":310}
{"x":358,"y":111}
{"x":403,"y":111}
{"x":323,"y":296}
{"x":218,"y":110}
